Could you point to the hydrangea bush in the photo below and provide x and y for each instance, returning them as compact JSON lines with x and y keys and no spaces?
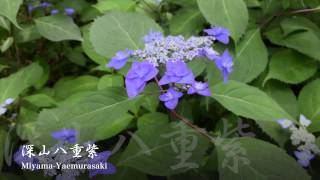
{"x":160,"y":89}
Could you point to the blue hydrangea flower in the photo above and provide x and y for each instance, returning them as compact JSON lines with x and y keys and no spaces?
{"x":44,"y":5}
{"x":304,"y":121}
{"x":177,"y":72}
{"x":54,"y":11}
{"x":19,"y":158}
{"x":304,"y":157}
{"x":199,"y":88}
{"x":30,"y":8}
{"x":138,"y":75}
{"x":171,"y":98}
{"x":8,"y":101}
{"x":220,"y":33}
{"x":102,"y":158}
{"x":69,"y":11}
{"x":225,"y":64}
{"x":66,"y":135}
{"x":120,"y":59}
{"x":210,"y":53}
{"x":153,"y":36}
{"x":285,"y":123}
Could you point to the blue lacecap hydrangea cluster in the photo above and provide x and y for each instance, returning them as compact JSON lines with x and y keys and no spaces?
{"x":44,"y":5}
{"x":173,"y":53}
{"x":65,"y":138}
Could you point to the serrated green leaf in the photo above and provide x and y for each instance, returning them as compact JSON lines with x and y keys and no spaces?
{"x":6,"y":44}
{"x":117,"y":31}
{"x":13,"y":85}
{"x":250,"y":102}
{"x":28,"y":33}
{"x":186,"y":22}
{"x":9,"y":9}
{"x":309,"y":104}
{"x":110,"y":81}
{"x":227,"y":13}
{"x":158,"y":157}
{"x":97,"y":116}
{"x":291,"y":67}
{"x":4,"y":23}
{"x":251,"y":57}
{"x":257,"y":160}
{"x":58,"y":28}
{"x":299,"y":34}
{"x":106,"y":5}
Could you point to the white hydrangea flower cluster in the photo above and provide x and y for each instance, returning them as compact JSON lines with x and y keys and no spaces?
{"x":302,"y":139}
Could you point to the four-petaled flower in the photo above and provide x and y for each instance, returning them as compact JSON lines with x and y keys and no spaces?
{"x":171,"y":98}
{"x":304,"y":157}
{"x":304,"y":121}
{"x":66,"y":135}
{"x":177,"y":72}
{"x":138,"y":75}
{"x":220,"y":33}
{"x":102,"y":158}
{"x":225,"y":64}
{"x":199,"y":88}
{"x":120,"y":59}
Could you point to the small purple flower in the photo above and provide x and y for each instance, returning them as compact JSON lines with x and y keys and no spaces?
{"x":30,"y":8}
{"x":152,"y":36}
{"x":304,"y":157}
{"x":220,"y":33}
{"x":19,"y":158}
{"x":225,"y":64}
{"x":102,"y":158}
{"x":199,"y":88}
{"x":171,"y":98}
{"x":44,"y":5}
{"x":120,"y":59}
{"x":69,"y":11}
{"x":177,"y":72}
{"x":54,"y":11}
{"x":3,"y":110}
{"x":210,"y":53}
{"x":285,"y":123}
{"x":66,"y":135}
{"x":138,"y":75}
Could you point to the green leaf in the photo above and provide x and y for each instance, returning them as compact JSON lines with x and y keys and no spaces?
{"x":251,"y":57}
{"x":127,"y":29}
{"x":186,"y":22}
{"x":152,"y":119}
{"x":6,"y":44}
{"x":299,"y":34}
{"x":97,"y":116}
{"x":41,"y":100}
{"x":3,"y":137}
{"x":284,"y":96}
{"x":198,"y":66}
{"x":4,"y":23}
{"x":28,"y":33}
{"x":58,"y":28}
{"x":227,"y":13}
{"x":110,"y":81}
{"x":88,"y":48}
{"x":9,"y":9}
{"x":13,"y":85}
{"x":158,"y":157}
{"x":309,"y":104}
{"x":69,"y":86}
{"x":291,"y":67}
{"x":106,"y":5}
{"x":250,"y":102}
{"x":256,"y":160}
